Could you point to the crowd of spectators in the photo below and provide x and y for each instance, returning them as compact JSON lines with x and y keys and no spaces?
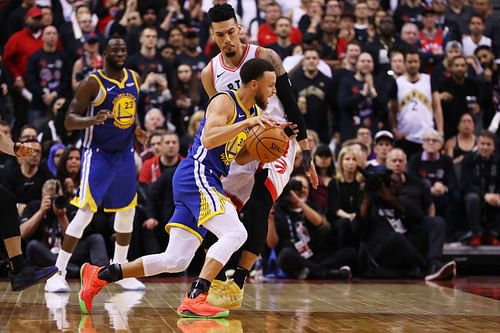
{"x":401,"y":100}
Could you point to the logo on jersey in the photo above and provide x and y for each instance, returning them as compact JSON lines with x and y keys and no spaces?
{"x":124,"y":109}
{"x":220,"y":74}
{"x":233,"y":147}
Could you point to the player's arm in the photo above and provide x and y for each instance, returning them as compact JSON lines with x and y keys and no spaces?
{"x":17,"y":149}
{"x":286,"y":95}
{"x":207,"y":80}
{"x":219,"y":112}
{"x":140,"y":134}
{"x":86,"y":92}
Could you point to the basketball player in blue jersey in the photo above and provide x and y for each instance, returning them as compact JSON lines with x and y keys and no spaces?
{"x":200,"y":201}
{"x":105,"y":108}
{"x":253,"y":186}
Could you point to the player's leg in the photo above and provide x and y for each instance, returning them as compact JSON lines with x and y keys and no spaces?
{"x":231,"y":235}
{"x":22,"y":275}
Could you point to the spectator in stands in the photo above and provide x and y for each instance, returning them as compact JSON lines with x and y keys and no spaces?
{"x":26,"y":179}
{"x":90,"y":60}
{"x":309,"y":22}
{"x":437,"y":172}
{"x":43,"y":224}
{"x":189,"y":97}
{"x":489,"y":85}
{"x":382,"y":44}
{"x":153,"y":145}
{"x":74,"y":37}
{"x":344,"y":197}
{"x":176,"y":39}
{"x":267,"y":31}
{"x":155,"y":94}
{"x":296,"y":223}
{"x":431,"y":41}
{"x":442,"y":71}
{"x":154,"y":120}
{"x":313,"y":90}
{"x":55,"y":153}
{"x":325,"y":167}
{"x":346,"y":33}
{"x":45,"y":76}
{"x":476,"y":37}
{"x":147,"y":60}
{"x":384,"y":142}
{"x":485,"y":10}
{"x":465,"y":142}
{"x":15,"y":21}
{"x":458,"y":94}
{"x":414,"y":106}
{"x":191,"y":53}
{"x":329,"y":40}
{"x":283,"y":45}
{"x":459,"y":12}
{"x":18,"y":49}
{"x":364,"y":135}
{"x":68,"y":171}
{"x":409,"y":11}
{"x":397,"y":232}
{"x":481,"y":187}
{"x":451,"y":29}
{"x":168,"y":156}
{"x":187,"y":139}
{"x":358,"y":99}
{"x":409,"y":38}
{"x":361,"y":12}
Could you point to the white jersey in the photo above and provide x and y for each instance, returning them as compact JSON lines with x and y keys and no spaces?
{"x":414,"y":107}
{"x":240,"y":180}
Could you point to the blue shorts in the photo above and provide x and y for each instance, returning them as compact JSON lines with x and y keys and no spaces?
{"x":198,"y":196}
{"x":108,"y":178}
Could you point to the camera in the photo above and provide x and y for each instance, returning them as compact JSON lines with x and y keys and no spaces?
{"x":59,"y":201}
{"x":293,"y":185}
{"x":375,"y":181}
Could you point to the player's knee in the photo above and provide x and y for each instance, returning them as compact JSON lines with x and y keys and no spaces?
{"x":238,"y":235}
{"x":124,"y":221}
{"x":79,"y":223}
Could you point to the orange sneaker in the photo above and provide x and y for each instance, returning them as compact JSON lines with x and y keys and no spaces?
{"x":199,"y":308}
{"x":194,"y":325}
{"x":90,"y":285}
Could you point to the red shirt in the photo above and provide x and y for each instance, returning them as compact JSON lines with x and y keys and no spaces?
{"x":18,"y":49}
{"x":266,"y":35}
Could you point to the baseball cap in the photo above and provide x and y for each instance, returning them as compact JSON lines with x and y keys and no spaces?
{"x":34,"y":12}
{"x":384,"y":135}
{"x":90,"y":37}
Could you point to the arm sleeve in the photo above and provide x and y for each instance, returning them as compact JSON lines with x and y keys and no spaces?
{"x":285,"y":94}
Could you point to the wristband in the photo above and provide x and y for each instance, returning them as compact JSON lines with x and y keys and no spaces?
{"x":306,"y":159}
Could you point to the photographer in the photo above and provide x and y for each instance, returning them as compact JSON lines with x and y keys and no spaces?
{"x":400,"y":235}
{"x":300,"y":233}
{"x":43,"y":224}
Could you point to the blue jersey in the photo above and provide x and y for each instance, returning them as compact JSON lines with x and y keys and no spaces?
{"x":219,"y":158}
{"x":121,"y":99}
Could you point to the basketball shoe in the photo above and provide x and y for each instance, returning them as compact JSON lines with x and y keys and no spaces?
{"x":192,"y":325}
{"x":226,"y":294}
{"x":90,"y":285}
{"x":199,"y":308}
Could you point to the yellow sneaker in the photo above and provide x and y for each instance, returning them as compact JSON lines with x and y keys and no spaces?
{"x":227,"y":296}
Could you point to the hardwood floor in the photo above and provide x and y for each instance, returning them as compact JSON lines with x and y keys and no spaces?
{"x":361,"y":306}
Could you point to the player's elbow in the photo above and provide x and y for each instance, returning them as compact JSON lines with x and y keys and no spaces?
{"x":207,"y":142}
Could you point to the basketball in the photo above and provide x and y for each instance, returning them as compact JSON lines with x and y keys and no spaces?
{"x":266,"y":144}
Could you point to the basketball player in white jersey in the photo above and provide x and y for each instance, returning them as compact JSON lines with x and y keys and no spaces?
{"x":255,"y":186}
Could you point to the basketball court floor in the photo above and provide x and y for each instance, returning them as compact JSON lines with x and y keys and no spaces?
{"x":465,"y":305}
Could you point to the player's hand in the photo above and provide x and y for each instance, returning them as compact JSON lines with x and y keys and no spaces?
{"x":264,"y":120}
{"x":141,"y":135}
{"x":45,"y":203}
{"x":312,"y":175}
{"x":101,"y":117}
{"x":291,"y":130}
{"x":150,"y":224}
{"x":24,"y":150}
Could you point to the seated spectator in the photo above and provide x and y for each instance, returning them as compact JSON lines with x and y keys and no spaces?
{"x":153,"y":120}
{"x":43,"y":224}
{"x":344,"y":198}
{"x":168,"y":157}
{"x":384,"y":142}
{"x":267,"y":34}
{"x":55,"y":153}
{"x":90,"y":60}
{"x":400,"y":238}
{"x":187,"y":139}
{"x":155,"y":94}
{"x":283,"y":46}
{"x":51,"y":131}
{"x":295,"y":224}
{"x":325,"y":167}
{"x":437,"y":173}
{"x":481,"y":188}
{"x":364,"y":135}
{"x":68,"y":171}
{"x":442,"y":70}
{"x":464,"y":142}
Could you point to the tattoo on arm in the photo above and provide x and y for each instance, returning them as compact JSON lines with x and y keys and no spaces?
{"x":275,"y":60}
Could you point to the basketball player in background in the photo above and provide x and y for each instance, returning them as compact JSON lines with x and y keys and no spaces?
{"x":253,"y":185}
{"x":105,"y":105}
{"x":22,"y":275}
{"x":200,"y":201}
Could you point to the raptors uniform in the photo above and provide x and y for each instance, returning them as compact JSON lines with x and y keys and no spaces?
{"x":199,"y":194}
{"x":108,"y":169}
{"x":240,"y":179}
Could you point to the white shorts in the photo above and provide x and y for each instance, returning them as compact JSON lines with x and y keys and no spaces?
{"x":239,"y":182}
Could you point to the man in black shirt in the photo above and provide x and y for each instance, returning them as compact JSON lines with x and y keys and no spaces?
{"x":283,"y":45}
{"x":192,"y":52}
{"x":147,"y":60}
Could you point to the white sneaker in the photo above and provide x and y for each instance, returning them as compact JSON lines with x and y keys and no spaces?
{"x":131,"y":284}
{"x":57,"y":284}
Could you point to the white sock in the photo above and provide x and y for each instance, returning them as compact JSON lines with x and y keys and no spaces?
{"x":62,"y":262}
{"x":121,"y":252}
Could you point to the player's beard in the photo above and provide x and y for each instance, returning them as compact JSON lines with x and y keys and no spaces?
{"x":230,"y":54}
{"x":261,"y":101}
{"x":114,"y":65}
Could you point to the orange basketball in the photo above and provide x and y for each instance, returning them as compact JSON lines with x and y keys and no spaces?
{"x":266,"y":144}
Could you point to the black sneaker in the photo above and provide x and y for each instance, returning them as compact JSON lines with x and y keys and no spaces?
{"x":31,"y":275}
{"x":343,"y":273}
{"x":442,"y":271}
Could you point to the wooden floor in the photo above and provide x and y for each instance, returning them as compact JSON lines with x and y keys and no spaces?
{"x":361,"y":306}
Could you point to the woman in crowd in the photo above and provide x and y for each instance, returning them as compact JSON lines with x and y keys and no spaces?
{"x":68,"y":171}
{"x":323,"y":161}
